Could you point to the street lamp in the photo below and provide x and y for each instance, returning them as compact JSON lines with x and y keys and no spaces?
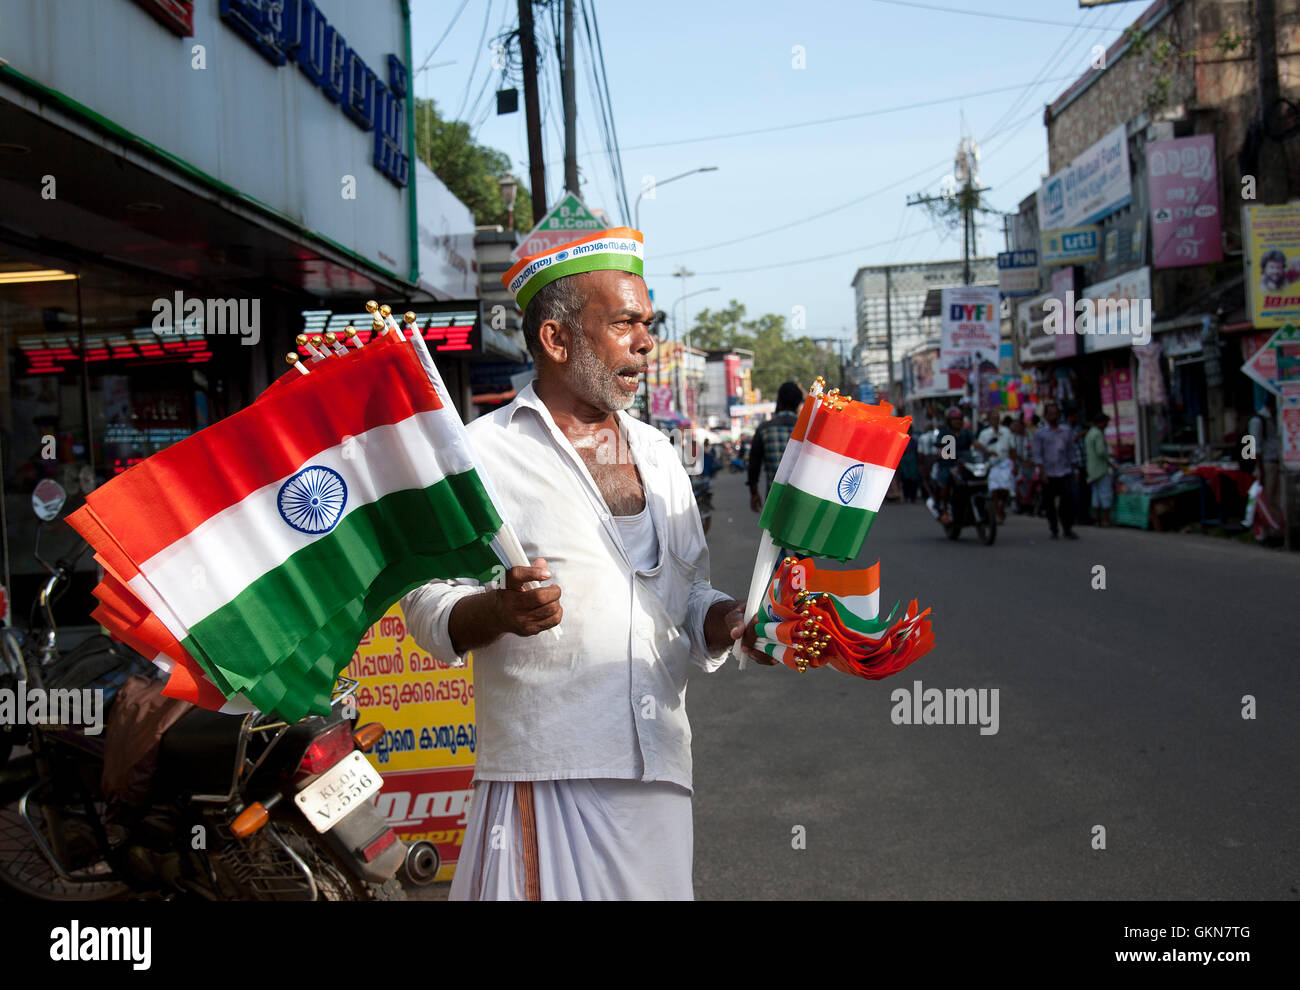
{"x":636,"y":222}
{"x":509,"y":188}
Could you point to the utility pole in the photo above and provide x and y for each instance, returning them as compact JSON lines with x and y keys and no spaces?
{"x":570,"y":105}
{"x":889,"y":337}
{"x":532,"y":110}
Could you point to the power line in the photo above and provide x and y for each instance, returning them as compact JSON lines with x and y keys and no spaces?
{"x":609,"y":104}
{"x":798,"y":261}
{"x":478,"y":51}
{"x":982,"y":13}
{"x":454,"y":19}
{"x":824,"y":213}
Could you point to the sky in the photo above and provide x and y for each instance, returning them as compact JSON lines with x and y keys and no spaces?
{"x":688,"y":79}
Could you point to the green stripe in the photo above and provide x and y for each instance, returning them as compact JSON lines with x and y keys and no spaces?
{"x":576,"y":266}
{"x":814,"y":527}
{"x":283,"y":640}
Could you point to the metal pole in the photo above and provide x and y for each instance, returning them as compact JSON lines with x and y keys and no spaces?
{"x":532,"y":110}
{"x":570,"y":105}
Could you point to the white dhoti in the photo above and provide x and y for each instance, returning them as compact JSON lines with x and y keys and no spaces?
{"x":576,"y":840}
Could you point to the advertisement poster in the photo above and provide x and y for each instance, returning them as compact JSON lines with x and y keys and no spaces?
{"x":1276,"y":365}
{"x":1271,"y":236}
{"x":1094,"y":185}
{"x":1018,"y":273}
{"x":1118,"y":403}
{"x":1289,"y":420}
{"x":1183,"y":179}
{"x":426,"y":755}
{"x":1072,"y":246}
{"x":1122,"y":296}
{"x":971,"y":329}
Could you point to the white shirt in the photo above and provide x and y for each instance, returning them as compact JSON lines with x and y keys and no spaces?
{"x":999,"y":442}
{"x":608,"y":698}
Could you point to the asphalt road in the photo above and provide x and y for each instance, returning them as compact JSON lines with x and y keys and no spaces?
{"x":1119,"y":708}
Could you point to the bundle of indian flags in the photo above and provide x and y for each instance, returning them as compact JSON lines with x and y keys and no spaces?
{"x":249,"y":559}
{"x":829,"y":486}
{"x":811,"y":618}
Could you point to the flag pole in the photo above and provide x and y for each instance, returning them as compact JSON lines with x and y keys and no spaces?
{"x":768,"y":552}
{"x":506,"y":542}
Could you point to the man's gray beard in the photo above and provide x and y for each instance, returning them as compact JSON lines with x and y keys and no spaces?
{"x":592,"y":381}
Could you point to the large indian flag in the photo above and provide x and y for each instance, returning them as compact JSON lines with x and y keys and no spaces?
{"x":834,"y":476}
{"x":266,"y":544}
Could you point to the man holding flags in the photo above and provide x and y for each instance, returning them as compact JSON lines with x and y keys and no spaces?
{"x":583,"y":775}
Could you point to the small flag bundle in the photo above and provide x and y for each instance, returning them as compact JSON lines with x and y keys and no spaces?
{"x":831,"y":480}
{"x":833,"y":475}
{"x":249,"y":559}
{"x":812,"y":618}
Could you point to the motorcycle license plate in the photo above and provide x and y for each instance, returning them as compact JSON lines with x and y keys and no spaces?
{"x":338,"y":791}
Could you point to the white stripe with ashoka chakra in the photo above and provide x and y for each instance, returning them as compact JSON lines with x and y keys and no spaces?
{"x":820,"y":470}
{"x":204,"y":570}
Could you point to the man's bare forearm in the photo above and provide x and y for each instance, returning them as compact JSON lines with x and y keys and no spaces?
{"x":474,"y":622}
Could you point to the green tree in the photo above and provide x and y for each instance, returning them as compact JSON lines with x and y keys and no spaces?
{"x":470,"y":170}
{"x":778,"y":356}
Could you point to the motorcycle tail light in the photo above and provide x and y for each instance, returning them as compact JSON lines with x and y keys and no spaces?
{"x":327,"y":749}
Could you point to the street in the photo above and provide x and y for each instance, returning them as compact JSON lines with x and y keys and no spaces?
{"x":1119,"y":708}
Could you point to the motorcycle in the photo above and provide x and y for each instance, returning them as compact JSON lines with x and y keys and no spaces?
{"x":239,"y":807}
{"x":970,"y":503}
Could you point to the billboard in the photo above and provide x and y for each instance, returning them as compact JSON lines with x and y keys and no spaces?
{"x":1018,"y":273}
{"x":1094,"y":185}
{"x":1183,"y":180}
{"x":1071,"y":246}
{"x":426,"y":755}
{"x":1271,"y":237}
{"x":1118,"y":312}
{"x":264,"y":111}
{"x":971,"y":327}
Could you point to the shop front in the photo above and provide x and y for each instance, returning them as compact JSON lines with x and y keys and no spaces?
{"x":160,"y":242}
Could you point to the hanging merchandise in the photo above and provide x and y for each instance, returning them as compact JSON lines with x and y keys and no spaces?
{"x":1151,"y":379}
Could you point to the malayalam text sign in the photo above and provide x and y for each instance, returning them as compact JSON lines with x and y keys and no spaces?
{"x":1272,"y":239}
{"x":426,"y":755}
{"x":1183,"y":178}
{"x":971,"y":329}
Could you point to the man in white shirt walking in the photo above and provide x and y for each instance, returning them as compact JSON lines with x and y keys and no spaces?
{"x":583,"y":773}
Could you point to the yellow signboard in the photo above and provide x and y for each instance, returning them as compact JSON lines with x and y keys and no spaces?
{"x":426,"y":755}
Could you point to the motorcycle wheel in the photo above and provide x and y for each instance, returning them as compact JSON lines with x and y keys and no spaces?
{"x":988,"y":529}
{"x":334,"y":882}
{"x":25,"y":869}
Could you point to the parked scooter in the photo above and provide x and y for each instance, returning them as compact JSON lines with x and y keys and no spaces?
{"x":970,"y":503}
{"x":238,"y":807}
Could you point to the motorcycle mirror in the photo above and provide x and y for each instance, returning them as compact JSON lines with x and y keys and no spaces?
{"x":48,"y":499}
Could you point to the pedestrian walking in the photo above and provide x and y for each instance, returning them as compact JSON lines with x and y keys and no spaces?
{"x":770,"y":440}
{"x":1082,"y":500}
{"x":1056,"y":453}
{"x":1099,"y":464}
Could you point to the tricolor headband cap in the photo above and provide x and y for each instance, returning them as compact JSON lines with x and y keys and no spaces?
{"x":616,"y":249}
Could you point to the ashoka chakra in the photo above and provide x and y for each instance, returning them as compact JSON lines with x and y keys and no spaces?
{"x":849,"y":482}
{"x":312,"y":500}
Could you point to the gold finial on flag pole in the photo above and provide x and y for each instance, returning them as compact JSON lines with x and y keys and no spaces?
{"x":293,"y":361}
{"x":385,"y":311}
{"x":372,"y":306}
{"x":332,"y":339}
{"x":353,"y":339}
{"x":378,"y":326}
{"x":302,"y":340}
